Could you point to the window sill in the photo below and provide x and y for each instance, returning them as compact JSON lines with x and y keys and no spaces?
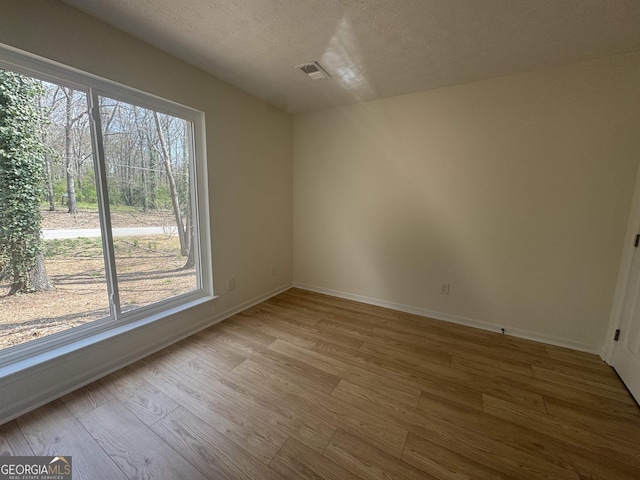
{"x":33,"y":360}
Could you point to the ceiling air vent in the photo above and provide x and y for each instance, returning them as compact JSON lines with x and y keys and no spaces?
{"x":314,"y":70}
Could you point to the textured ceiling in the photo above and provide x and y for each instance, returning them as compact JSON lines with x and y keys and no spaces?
{"x":372,"y":48}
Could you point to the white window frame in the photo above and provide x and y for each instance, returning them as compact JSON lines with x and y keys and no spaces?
{"x":15,"y":358}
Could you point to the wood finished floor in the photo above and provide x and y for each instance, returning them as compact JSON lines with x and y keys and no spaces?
{"x":314,"y":387}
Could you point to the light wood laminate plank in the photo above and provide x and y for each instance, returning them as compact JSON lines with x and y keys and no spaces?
{"x":312,"y":430}
{"x":369,"y":462}
{"x":144,"y":400}
{"x":211,"y":452}
{"x":54,"y":430}
{"x":295,"y":460}
{"x":13,"y":441}
{"x":134,"y":447}
{"x":87,"y":398}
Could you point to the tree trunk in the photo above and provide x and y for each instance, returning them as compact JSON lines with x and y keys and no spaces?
{"x":68,"y":160}
{"x":47,"y":167}
{"x":37,"y":280}
{"x":173,"y":191}
{"x":153,"y":180}
{"x":49,"y":186}
{"x":143,"y":178}
{"x":191,"y":259}
{"x":189,"y":226}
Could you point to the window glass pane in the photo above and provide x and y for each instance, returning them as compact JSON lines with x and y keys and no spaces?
{"x":46,"y":154}
{"x":147,"y":159}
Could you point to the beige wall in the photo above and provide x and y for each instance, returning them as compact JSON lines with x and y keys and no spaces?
{"x":248,"y":141}
{"x":515,"y":190}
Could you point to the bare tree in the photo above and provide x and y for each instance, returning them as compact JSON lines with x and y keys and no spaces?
{"x":68,"y":153}
{"x":173,"y":191}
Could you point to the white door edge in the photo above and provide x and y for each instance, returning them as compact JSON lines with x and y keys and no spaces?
{"x":624,"y":272}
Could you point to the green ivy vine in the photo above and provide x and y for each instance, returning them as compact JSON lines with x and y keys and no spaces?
{"x":21,"y":176}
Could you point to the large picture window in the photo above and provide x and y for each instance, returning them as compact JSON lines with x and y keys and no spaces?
{"x":103,"y":204}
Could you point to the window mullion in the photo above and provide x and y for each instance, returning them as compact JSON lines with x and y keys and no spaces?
{"x":103,"y":205}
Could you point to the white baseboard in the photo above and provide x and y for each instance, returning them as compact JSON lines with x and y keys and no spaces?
{"x":460,"y":320}
{"x":31,"y":389}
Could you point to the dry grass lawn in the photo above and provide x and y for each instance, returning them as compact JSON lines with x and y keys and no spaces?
{"x":149,"y":269}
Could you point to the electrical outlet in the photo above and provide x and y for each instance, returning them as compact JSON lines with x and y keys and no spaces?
{"x":444,"y":289}
{"x":231,"y":284}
